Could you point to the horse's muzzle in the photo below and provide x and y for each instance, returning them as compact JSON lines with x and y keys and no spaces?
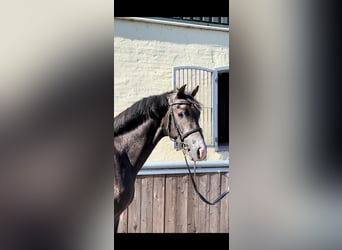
{"x":198,"y":152}
{"x":202,"y":152}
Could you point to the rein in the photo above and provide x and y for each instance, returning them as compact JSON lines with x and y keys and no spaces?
{"x":185,"y":147}
{"x":220,"y":197}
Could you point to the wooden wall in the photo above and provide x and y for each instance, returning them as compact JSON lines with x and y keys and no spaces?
{"x":169,"y":204}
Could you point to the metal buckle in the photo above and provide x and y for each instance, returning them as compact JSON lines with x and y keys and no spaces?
{"x":179,"y":145}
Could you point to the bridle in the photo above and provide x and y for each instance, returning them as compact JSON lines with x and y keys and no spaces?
{"x":181,"y":145}
{"x":181,"y":135}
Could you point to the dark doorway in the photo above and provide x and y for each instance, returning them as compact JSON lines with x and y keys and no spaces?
{"x":223,"y":108}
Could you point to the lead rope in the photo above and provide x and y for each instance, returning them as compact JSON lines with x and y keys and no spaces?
{"x":195,"y":186}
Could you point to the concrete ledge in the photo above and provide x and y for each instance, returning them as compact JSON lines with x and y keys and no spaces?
{"x":175,"y":23}
{"x":156,"y":168}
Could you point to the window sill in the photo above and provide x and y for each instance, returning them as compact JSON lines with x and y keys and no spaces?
{"x":222,"y":148}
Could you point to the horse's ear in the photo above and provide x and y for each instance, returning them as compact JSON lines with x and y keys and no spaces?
{"x":181,"y":90}
{"x":194,"y":92}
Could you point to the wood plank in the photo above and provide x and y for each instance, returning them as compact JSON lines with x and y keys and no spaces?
{"x":170,"y":203}
{"x":181,"y":204}
{"x":203,"y":208}
{"x":146,"y":204}
{"x":196,"y":206}
{"x":134,"y":210}
{"x":158,"y":203}
{"x":224,"y":215}
{"x":214,"y":210}
{"x":192,"y":207}
{"x":123,"y":222}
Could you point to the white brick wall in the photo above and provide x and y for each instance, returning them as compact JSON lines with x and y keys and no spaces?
{"x":144,"y":56}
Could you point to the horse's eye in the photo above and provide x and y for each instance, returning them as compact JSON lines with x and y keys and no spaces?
{"x":180,"y":115}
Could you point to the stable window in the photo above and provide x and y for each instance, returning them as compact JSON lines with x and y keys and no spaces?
{"x":214,"y":97}
{"x":222,"y":121}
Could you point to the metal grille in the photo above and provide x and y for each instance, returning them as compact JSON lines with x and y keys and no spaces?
{"x":208,"y":20}
{"x":193,"y":76}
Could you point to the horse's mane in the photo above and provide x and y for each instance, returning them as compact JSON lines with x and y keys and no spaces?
{"x":154,"y":107}
{"x":149,"y":107}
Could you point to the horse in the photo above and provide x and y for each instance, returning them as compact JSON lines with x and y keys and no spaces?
{"x":139,"y":128}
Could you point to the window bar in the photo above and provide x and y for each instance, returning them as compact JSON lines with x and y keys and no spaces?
{"x":188,"y":83}
{"x":224,"y":20}
{"x":205,"y":120}
{"x":215,"y":20}
{"x":206,"y":19}
{"x":209,"y":116}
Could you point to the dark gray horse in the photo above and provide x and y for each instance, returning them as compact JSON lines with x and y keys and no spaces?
{"x":138,"y":129}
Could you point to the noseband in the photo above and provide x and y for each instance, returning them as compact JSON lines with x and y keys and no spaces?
{"x":181,"y":135}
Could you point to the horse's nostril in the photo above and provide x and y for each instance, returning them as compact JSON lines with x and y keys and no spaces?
{"x":201,"y":152}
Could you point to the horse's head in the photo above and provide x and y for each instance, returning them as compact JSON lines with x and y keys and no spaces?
{"x":183,"y":115}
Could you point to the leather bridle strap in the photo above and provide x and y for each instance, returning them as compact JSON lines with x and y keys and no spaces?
{"x":172,"y":119}
{"x":183,"y":136}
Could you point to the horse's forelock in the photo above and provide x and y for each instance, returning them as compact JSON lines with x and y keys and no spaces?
{"x":189,"y":98}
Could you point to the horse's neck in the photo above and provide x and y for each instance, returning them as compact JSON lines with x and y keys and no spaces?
{"x":141,"y":141}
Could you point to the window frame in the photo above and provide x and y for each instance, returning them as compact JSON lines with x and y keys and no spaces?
{"x":216,"y":72}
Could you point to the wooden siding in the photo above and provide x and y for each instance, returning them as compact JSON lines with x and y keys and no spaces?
{"x":169,"y":204}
